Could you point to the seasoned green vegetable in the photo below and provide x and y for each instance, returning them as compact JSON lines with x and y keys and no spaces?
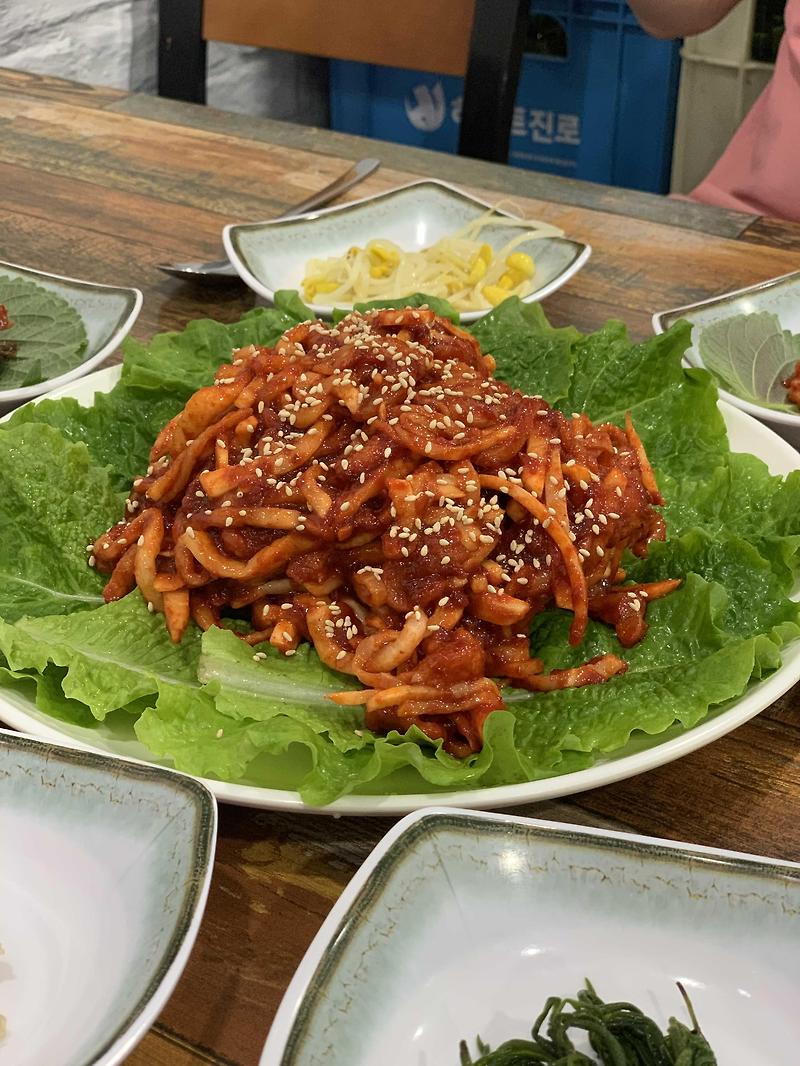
{"x":620,"y":1034}
{"x":751,"y":355}
{"x":46,"y":336}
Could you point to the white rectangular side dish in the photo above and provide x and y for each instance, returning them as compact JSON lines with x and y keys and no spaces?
{"x":272,"y":255}
{"x":461,"y":924}
{"x":104,"y":875}
{"x":778,"y":296}
{"x":108,"y":313}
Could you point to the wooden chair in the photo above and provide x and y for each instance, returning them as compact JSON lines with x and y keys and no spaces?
{"x":481,"y":39}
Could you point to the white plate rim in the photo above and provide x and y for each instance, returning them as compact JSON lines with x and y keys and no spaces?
{"x":326,"y":310}
{"x":760,"y":696}
{"x":29,"y":392}
{"x":283,"y":1021}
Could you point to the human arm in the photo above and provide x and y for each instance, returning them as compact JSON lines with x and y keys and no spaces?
{"x":680,"y":18}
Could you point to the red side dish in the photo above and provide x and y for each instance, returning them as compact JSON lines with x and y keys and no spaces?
{"x":792,"y":385}
{"x":371,"y":488}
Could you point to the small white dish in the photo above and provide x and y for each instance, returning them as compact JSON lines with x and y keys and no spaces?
{"x":462,"y":924}
{"x":781,"y":297}
{"x":642,"y":753}
{"x":269,"y":256}
{"x":103,"y":881}
{"x":108,"y":313}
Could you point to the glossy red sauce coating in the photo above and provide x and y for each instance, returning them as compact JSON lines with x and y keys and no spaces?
{"x":792,"y":384}
{"x":372,"y":488}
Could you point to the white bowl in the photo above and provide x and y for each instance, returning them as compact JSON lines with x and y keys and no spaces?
{"x":462,"y":924}
{"x":269,"y":256}
{"x":104,"y":875}
{"x":780,"y":296}
{"x":108,"y":313}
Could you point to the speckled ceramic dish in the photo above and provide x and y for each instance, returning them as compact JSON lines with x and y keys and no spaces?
{"x":781,"y":297}
{"x":272,"y":255}
{"x":104,"y":872}
{"x":108,"y":313}
{"x":461,"y":924}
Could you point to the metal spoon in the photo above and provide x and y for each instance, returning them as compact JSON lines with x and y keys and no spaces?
{"x":221,"y":269}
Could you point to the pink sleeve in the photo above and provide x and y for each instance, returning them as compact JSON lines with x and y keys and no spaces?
{"x":758,"y":171}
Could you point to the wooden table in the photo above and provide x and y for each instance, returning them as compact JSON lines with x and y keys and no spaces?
{"x":101,"y":184}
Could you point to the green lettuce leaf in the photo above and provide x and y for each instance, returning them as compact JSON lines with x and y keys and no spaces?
{"x":53,"y":502}
{"x":112,"y":656}
{"x":181,"y":363}
{"x":417,"y":299}
{"x":611,"y":375}
{"x":118,"y":429}
{"x":47,"y":336}
{"x":530,"y":355}
{"x":742,"y":498}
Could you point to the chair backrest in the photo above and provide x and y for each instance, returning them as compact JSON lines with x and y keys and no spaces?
{"x":482,"y":39}
{"x":418,"y":34}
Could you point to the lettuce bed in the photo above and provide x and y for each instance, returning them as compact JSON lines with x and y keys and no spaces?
{"x":734,"y":536}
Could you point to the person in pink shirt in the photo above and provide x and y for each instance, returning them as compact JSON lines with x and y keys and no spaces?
{"x":759,"y":170}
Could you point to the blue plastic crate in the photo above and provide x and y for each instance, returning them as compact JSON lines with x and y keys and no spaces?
{"x":599,"y":106}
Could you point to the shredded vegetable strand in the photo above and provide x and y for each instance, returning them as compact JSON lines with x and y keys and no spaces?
{"x":462,"y":268}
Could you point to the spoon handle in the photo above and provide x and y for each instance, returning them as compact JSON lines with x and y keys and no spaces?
{"x":360,"y":170}
{"x":221,"y":268}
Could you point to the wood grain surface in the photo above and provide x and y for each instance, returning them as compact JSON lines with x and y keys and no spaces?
{"x":103,"y":185}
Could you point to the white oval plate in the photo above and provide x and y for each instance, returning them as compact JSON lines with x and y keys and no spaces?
{"x":108,"y":313}
{"x":272,"y":255}
{"x":645,"y":753}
